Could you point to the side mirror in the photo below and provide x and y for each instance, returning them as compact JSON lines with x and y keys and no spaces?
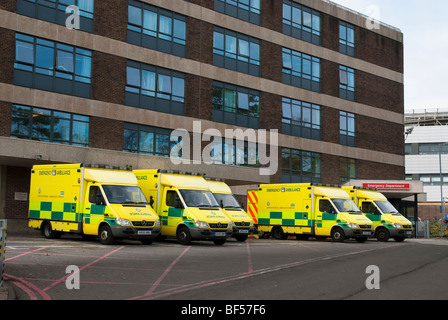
{"x":178,"y":204}
{"x":99,"y":201}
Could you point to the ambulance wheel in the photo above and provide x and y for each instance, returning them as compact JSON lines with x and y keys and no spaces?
{"x":183,"y":235}
{"x":338,"y":235}
{"x":361,"y":239}
{"x":105,"y":235}
{"x":48,"y":232}
{"x":219,"y":242}
{"x":277,"y":233}
{"x":382,"y":234}
{"x":241,"y":238}
{"x":147,"y":241}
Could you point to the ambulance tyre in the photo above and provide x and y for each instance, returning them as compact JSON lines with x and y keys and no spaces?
{"x":277,"y":233}
{"x":105,"y":235}
{"x":48,"y":232}
{"x":183,"y":235}
{"x":338,"y":235}
{"x":382,"y":234}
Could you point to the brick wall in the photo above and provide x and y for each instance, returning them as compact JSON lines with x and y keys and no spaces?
{"x":108,"y":78}
{"x":17,"y":180}
{"x":379,"y":135}
{"x":379,"y":92}
{"x":198,"y":97}
{"x":5,"y":119}
{"x":106,"y":134}
{"x":7,"y":55}
{"x":110,"y":19}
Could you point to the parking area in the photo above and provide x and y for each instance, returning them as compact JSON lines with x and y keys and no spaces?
{"x":71,"y":268}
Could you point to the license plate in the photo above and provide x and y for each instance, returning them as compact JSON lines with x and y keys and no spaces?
{"x":367,"y":233}
{"x":408,"y":233}
{"x":220,"y":234}
{"x":243,"y":231}
{"x":144,"y":232}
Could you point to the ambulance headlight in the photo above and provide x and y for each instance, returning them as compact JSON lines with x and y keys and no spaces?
{"x":397,"y":225}
{"x":123,"y":222}
{"x":201,"y":224}
{"x":230,"y":225}
{"x":353,"y":225}
{"x":157,"y":223}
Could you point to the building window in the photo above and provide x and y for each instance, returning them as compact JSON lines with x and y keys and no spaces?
{"x":346,"y":83}
{"x":347,"y":128}
{"x":54,"y":11}
{"x":347,"y":169}
{"x":236,"y":105}
{"x":301,"y":70}
{"x":301,"y":22}
{"x":347,"y":38}
{"x":155,"y":88}
{"x":156,"y":28}
{"x":52,"y":66}
{"x":433,"y":179}
{"x":301,"y":119}
{"x":236,"y":51}
{"x":300,"y":166}
{"x":49,"y":126}
{"x":247,"y":10}
{"x":147,"y":140}
{"x":233,"y":152}
{"x":432,"y":148}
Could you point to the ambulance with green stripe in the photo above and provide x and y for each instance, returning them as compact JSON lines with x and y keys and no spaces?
{"x":387,"y":221}
{"x":308,"y":210}
{"x":243,"y":226}
{"x":185,"y":205}
{"x":76,"y":198}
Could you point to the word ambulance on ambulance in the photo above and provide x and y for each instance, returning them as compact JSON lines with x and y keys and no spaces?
{"x":76,"y":198}
{"x":243,"y":226}
{"x":307,"y":210}
{"x":387,"y":221}
{"x":187,"y":208}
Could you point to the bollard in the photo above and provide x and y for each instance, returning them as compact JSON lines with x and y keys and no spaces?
{"x":3,"y":225}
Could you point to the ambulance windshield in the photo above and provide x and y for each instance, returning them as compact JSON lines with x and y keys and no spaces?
{"x":124,"y":194}
{"x":386,"y":207}
{"x":346,"y":205}
{"x":226,"y":201}
{"x":198,"y":198}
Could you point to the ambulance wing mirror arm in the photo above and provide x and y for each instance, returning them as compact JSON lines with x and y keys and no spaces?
{"x":178,"y":203}
{"x":99,"y":200}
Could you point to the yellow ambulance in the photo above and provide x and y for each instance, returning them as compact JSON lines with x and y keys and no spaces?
{"x":185,"y":205}
{"x":387,"y":221}
{"x":307,"y":210}
{"x":243,"y":226}
{"x":77,"y":198}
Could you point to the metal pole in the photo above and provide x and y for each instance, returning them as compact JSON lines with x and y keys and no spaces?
{"x":442,"y":207}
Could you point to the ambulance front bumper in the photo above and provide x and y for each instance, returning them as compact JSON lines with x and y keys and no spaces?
{"x":210,"y":234}
{"x":400,"y":233}
{"x":242,"y":231}
{"x":356,"y":233}
{"x":135,"y":233}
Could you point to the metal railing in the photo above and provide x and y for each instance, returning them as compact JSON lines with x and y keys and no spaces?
{"x":3,"y":226}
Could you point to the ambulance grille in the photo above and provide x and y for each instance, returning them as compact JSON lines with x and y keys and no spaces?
{"x":365,"y":226}
{"x":140,"y":224}
{"x":407,"y":226}
{"x":218,"y":225}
